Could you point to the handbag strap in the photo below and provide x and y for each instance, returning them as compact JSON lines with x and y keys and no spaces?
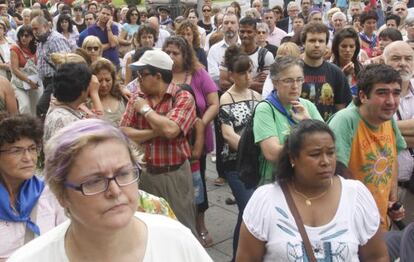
{"x":299,"y":222}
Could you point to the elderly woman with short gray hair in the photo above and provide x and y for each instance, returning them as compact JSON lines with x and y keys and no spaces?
{"x":285,"y":108}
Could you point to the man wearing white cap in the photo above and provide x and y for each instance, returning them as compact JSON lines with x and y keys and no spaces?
{"x":159,"y":118}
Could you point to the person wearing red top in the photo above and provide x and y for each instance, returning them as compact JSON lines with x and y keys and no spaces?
{"x":24,"y":71}
{"x":159,"y":117}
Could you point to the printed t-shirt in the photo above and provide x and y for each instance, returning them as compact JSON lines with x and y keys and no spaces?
{"x":370,"y":153}
{"x":326,"y":86}
{"x":265,"y":126}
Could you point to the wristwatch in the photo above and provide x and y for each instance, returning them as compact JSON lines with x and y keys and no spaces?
{"x":145,"y":109}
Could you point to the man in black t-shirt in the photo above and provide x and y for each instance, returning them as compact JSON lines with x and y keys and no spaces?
{"x":325,"y":84}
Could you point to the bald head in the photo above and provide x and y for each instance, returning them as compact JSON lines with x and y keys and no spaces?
{"x":400,"y":56}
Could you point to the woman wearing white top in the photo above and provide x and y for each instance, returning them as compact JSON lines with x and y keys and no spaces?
{"x":340,"y":216}
{"x":27,"y":207}
{"x":99,"y":191}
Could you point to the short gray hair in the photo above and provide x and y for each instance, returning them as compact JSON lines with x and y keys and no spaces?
{"x":409,"y":21}
{"x":263,"y":26}
{"x":282,"y":63}
{"x":292,"y":4}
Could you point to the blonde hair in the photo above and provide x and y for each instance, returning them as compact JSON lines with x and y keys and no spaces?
{"x":288,"y":49}
{"x":92,"y":40}
{"x":61,"y":58}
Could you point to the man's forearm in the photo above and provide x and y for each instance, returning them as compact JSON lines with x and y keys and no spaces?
{"x":163,"y":125}
{"x":139,"y":136}
{"x":406,"y":127}
{"x":113,"y":40}
{"x":257,"y":86}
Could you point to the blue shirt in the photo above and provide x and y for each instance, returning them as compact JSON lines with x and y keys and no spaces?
{"x":112,"y":52}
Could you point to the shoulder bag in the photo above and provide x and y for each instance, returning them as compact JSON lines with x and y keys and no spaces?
{"x":299,"y":222}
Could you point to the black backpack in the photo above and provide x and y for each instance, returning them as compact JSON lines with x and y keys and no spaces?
{"x":248,"y":153}
{"x":261,"y":59}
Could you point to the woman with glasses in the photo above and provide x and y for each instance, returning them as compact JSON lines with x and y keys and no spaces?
{"x":27,"y":207}
{"x":206,"y":21}
{"x":262,"y":30}
{"x":285,"y":108}
{"x":93,"y":46}
{"x":129,"y":28}
{"x":25,"y":81}
{"x":65,"y":27}
{"x":99,"y":192}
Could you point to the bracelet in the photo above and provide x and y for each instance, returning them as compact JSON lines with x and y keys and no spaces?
{"x":149,"y":111}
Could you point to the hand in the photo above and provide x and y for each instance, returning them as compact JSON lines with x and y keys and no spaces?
{"x":348,"y":68}
{"x":126,"y":93}
{"x":109,"y":24}
{"x":33,"y":85}
{"x":93,"y":85}
{"x":395,"y":215}
{"x":139,"y":103}
{"x":298,"y":111}
{"x":260,"y":77}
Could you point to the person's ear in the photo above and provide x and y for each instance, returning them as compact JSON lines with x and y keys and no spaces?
{"x":362,"y":97}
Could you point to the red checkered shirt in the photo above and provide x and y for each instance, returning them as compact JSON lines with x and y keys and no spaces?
{"x":179,"y":106}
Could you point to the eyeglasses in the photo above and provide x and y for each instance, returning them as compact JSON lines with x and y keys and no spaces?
{"x":101,"y":184}
{"x":207,"y":10}
{"x":291,"y":81}
{"x":20,"y":151}
{"x":134,"y":14}
{"x":142,"y":75}
{"x":94,"y":48}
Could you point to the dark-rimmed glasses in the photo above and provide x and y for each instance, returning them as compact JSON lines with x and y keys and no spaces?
{"x":100,"y":183}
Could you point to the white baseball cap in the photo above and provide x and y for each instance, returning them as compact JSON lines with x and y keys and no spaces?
{"x":155,"y":58}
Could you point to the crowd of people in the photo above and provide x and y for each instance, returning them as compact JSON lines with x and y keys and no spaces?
{"x":92,"y":94}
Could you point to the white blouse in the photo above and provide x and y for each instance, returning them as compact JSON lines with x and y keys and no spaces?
{"x":269,"y":219}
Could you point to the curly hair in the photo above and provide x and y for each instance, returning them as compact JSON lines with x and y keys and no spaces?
{"x":196,"y":35}
{"x":190,"y":61}
{"x":14,"y":128}
{"x":105,"y":64}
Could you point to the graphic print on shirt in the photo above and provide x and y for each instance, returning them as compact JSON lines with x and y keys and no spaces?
{"x":325,"y":250}
{"x":378,"y":167}
{"x":320,"y":92}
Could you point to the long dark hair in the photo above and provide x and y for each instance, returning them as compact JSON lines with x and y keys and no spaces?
{"x":190,"y":61}
{"x":341,"y":36}
{"x":293,"y":146}
{"x":27,"y":29}
{"x":64,"y":17}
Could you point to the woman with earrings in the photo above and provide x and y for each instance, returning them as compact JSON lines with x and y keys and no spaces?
{"x":339,"y":218}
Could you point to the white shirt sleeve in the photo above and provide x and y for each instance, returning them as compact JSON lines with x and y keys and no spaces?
{"x":267,"y":87}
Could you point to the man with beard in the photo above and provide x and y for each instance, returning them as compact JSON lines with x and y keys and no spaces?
{"x":215,"y":55}
{"x":368,"y":139}
{"x":306,"y":6}
{"x":325,"y":84}
{"x":261,"y":58}
{"x":107,"y":32}
{"x":49,"y":42}
{"x":400,"y":56}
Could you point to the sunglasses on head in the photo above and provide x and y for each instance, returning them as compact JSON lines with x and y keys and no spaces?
{"x":90,"y":48}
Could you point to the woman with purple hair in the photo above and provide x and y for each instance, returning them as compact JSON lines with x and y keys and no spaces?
{"x":90,"y":167}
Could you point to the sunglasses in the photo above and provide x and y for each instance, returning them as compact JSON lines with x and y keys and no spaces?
{"x":207,"y":10}
{"x":135,"y":14}
{"x":26,"y":35}
{"x":90,"y":48}
{"x":261,"y":32}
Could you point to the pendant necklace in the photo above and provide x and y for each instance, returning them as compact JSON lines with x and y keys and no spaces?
{"x":308,"y":200}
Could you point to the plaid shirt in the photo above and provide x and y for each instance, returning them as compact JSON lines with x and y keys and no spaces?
{"x":55,"y":43}
{"x":178,"y":106}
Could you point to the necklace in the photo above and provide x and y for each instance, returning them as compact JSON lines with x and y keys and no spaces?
{"x":308,"y":200}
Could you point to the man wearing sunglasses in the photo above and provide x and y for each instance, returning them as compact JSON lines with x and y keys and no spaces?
{"x":159,"y":118}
